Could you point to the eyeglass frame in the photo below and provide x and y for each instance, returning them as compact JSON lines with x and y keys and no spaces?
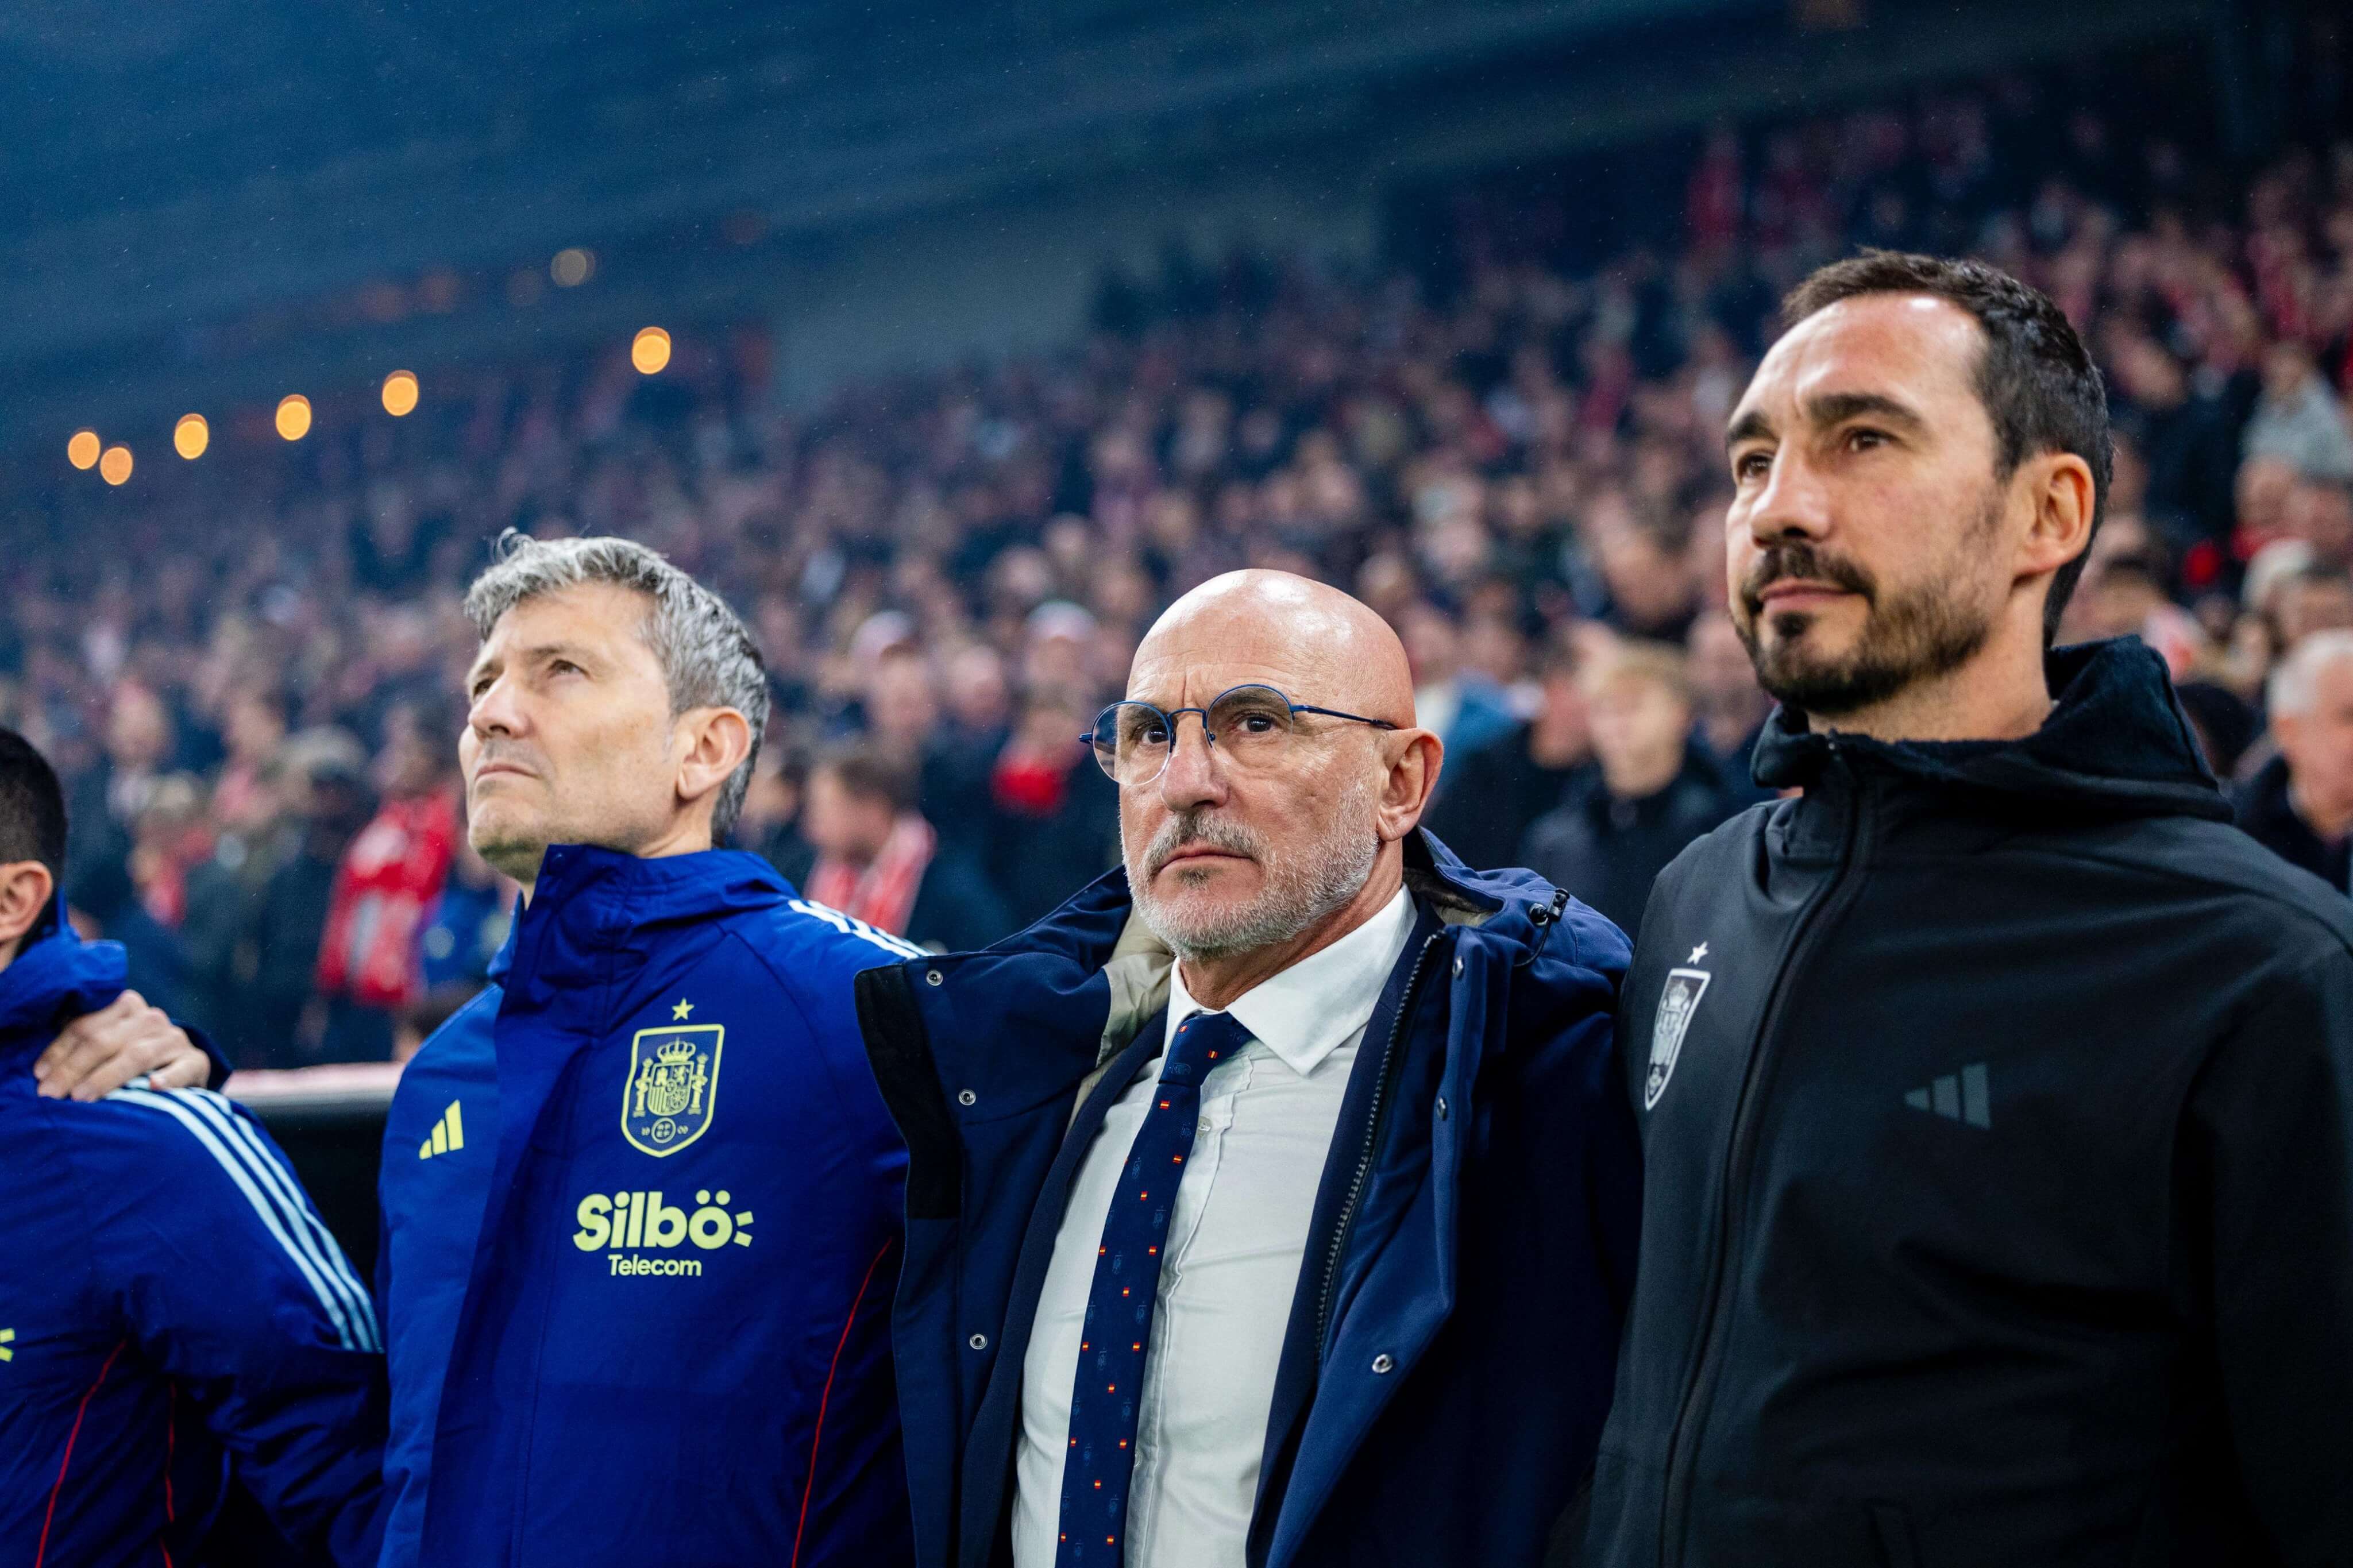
{"x":1173,"y":714}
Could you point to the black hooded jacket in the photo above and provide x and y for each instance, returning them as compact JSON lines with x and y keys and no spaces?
{"x":1997,"y":1102}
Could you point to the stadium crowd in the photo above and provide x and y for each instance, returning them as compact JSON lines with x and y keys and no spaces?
{"x":252,"y":686}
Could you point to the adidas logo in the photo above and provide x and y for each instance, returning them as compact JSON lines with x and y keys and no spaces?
{"x":448,"y":1134}
{"x":1962,"y":1098}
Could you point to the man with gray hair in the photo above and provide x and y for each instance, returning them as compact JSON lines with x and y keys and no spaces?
{"x":640,"y":1198}
{"x":2300,"y":804}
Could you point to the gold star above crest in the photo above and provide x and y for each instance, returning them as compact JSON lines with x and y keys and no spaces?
{"x":679,"y":1012}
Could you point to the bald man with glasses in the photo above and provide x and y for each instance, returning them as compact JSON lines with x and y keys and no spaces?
{"x":1271,"y":1201}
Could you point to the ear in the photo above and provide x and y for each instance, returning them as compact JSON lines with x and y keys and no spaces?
{"x":2059,"y":487}
{"x":24,"y":889}
{"x":1414,"y":757}
{"x":711,"y":744}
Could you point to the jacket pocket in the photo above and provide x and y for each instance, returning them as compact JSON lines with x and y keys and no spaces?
{"x":1891,"y":1527}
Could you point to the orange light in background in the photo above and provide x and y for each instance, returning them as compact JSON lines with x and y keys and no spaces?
{"x":400,"y":393}
{"x":650,"y":351}
{"x":572,"y":267}
{"x":191,"y":435}
{"x":294,"y":416}
{"x":82,"y":450}
{"x":114,"y":465}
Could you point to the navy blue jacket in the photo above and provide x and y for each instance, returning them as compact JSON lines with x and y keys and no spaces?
{"x":640,"y":1226}
{"x":172,"y":1312}
{"x":1449,"y":1357}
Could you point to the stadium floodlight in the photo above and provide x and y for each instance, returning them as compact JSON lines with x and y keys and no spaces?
{"x":114,"y":466}
{"x":400,"y":394}
{"x":191,"y":435}
{"x":650,"y":351}
{"x":81,"y":451}
{"x":294,"y":416}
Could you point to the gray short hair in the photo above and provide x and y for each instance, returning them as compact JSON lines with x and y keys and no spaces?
{"x":2296,"y":680}
{"x":707,"y":656}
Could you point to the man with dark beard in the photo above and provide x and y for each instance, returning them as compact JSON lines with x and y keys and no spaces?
{"x":1995,"y":1096}
{"x":1270,"y":1201}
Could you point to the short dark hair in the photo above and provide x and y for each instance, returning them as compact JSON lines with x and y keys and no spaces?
{"x":869,"y":775}
{"x":2035,"y":378}
{"x":32,"y":808}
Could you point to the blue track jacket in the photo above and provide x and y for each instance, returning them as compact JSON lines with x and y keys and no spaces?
{"x":172,"y":1310}
{"x":640,"y":1230}
{"x":1451,"y":1342}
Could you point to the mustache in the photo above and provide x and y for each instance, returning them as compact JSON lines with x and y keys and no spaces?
{"x":1197,"y":829}
{"x":1794,"y":558}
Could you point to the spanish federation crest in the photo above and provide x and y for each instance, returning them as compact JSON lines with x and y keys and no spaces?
{"x":668,"y":1099}
{"x":1677,"y":1003}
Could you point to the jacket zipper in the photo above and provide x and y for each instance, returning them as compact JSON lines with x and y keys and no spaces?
{"x":1372,"y":1142}
{"x":1682,"y":1458}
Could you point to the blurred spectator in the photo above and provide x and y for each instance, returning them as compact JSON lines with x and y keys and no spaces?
{"x":2319,"y":513}
{"x":962,"y":751}
{"x":466,"y":925}
{"x":879,"y":861}
{"x":1729,"y":705}
{"x":902,"y":709}
{"x":1056,"y":816}
{"x":391,"y":875}
{"x":108,"y":905}
{"x":2298,"y":418}
{"x":1655,"y":789}
{"x":2300,"y":804}
{"x":1460,"y":705}
{"x":769,"y":824}
{"x":244,"y":805}
{"x":2314,"y":599}
{"x":1488,"y":797}
{"x":108,"y":799}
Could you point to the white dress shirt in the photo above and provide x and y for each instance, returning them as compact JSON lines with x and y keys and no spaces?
{"x":1228,"y":1269}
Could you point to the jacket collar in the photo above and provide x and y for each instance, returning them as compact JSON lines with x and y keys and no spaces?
{"x":2116,"y":744}
{"x":55,"y":974}
{"x":1304,"y":1011}
{"x":591,"y":904}
{"x":607,"y":891}
{"x":1097,"y":929}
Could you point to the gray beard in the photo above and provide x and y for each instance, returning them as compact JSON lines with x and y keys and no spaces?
{"x":1302,"y":886}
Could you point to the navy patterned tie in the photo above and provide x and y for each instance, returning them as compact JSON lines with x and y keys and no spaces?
{"x":1118,"y":1333}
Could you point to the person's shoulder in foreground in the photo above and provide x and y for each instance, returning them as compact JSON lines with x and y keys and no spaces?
{"x":141,"y":1372}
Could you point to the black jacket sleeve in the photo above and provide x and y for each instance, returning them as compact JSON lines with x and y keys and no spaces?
{"x":2269,"y":1147}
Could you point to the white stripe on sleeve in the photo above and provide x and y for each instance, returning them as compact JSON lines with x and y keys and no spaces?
{"x":234,"y":1169}
{"x":300,"y":1218}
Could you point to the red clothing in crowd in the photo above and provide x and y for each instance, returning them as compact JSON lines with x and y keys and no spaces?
{"x":389,"y":877}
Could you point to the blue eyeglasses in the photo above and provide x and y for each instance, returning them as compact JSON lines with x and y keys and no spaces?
{"x":1254,"y":725}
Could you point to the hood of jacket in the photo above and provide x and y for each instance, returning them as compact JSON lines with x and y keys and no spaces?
{"x":55,"y":974}
{"x":2117,"y":744}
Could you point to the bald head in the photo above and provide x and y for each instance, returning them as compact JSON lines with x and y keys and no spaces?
{"x":1306,"y":638}
{"x":1246,"y":857}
